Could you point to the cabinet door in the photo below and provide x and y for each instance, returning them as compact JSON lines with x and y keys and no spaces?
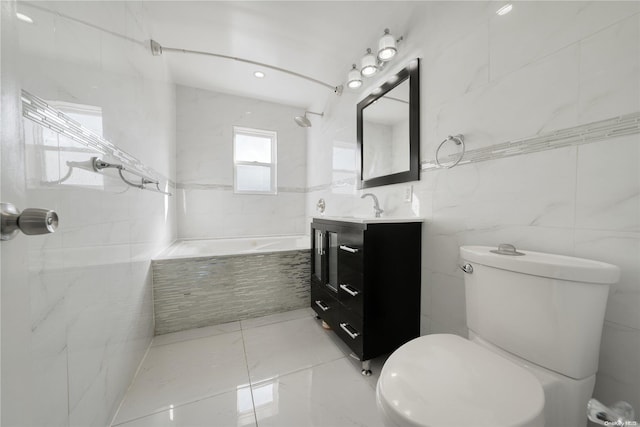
{"x":331,"y":258}
{"x":317,"y":258}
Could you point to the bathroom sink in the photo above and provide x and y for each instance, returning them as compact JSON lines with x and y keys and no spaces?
{"x":371,"y":220}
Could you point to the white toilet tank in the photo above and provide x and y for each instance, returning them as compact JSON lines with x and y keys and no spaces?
{"x":548,"y":309}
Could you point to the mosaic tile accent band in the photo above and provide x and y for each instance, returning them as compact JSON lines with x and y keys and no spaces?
{"x":628,"y":124}
{"x":596,"y":131}
{"x":196,"y":292}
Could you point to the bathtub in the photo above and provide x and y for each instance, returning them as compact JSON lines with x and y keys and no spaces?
{"x":198,"y":283}
{"x":235,"y":246}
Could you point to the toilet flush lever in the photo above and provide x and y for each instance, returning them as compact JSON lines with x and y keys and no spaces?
{"x":31,"y":221}
{"x":467,"y":268}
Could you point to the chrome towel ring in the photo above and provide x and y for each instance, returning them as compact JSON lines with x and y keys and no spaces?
{"x":459,"y":140}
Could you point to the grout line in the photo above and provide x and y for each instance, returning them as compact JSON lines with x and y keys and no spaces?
{"x":246,"y":364}
{"x":194,"y":338}
{"x":273,"y":323}
{"x":69,"y":388}
{"x":240,"y":328}
{"x":295,"y":371}
{"x":175,"y":406}
{"x":126,"y":393}
{"x":576,"y":189}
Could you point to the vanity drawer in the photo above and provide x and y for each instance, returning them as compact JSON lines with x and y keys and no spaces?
{"x":350,"y":329}
{"x":351,"y":248}
{"x":324,"y":304}
{"x":351,"y":290}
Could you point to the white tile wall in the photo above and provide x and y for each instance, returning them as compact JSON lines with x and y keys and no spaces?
{"x":207,"y":205}
{"x":543,"y":67}
{"x":89,"y":285}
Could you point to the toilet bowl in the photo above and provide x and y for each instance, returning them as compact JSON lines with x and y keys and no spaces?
{"x":535,"y":322}
{"x":485,"y":389}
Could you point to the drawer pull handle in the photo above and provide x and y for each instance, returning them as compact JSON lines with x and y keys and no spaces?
{"x":323,"y":306}
{"x":347,"y":328}
{"x":348,"y":249}
{"x":348,"y":289}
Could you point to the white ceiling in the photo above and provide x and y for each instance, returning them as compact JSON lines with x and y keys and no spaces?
{"x":320,"y":39}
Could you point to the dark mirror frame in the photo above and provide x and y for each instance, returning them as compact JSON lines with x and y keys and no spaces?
{"x":411,"y":72}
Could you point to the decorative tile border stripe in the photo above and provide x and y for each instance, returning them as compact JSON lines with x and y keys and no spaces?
{"x":40,"y":112}
{"x":628,"y":124}
{"x":334,"y":184}
{"x":227,"y":187}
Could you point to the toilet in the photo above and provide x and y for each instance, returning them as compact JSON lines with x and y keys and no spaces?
{"x":535,"y":322}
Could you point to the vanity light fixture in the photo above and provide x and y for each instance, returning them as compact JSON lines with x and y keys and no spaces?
{"x":504,"y":9}
{"x":24,"y":18}
{"x":354,"y":80}
{"x":369,"y":64}
{"x":258,"y":74}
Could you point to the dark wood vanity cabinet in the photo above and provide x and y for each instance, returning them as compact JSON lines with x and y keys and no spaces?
{"x":365,"y":283}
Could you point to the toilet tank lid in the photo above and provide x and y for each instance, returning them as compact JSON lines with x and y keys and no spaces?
{"x":546,"y":265}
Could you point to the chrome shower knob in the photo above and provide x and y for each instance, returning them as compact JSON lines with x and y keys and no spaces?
{"x":31,"y":221}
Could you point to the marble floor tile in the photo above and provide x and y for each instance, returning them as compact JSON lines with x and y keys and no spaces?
{"x":186,"y":371}
{"x":286,"y":347}
{"x":330,"y":394}
{"x":234,"y":408}
{"x":281,"y":370}
{"x":277,"y":317}
{"x":196,"y":333}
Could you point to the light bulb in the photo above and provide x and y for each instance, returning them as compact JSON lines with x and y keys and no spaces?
{"x":504,"y":9}
{"x":24,"y":18}
{"x":386,"y":47}
{"x":354,"y":80}
{"x":369,"y":65}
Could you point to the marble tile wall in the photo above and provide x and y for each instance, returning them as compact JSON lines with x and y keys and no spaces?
{"x":88,"y":293}
{"x":207,"y":207}
{"x":543,"y":67}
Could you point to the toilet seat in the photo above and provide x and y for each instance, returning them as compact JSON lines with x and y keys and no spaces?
{"x":446,"y":380}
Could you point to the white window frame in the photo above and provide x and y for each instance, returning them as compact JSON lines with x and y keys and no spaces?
{"x":273,"y":135}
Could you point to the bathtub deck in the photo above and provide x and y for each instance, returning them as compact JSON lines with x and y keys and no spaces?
{"x":279,"y":370}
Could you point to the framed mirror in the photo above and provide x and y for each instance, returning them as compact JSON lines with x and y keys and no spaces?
{"x":389,"y":131}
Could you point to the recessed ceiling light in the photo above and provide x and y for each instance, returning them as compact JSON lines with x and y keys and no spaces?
{"x":504,"y":9}
{"x":24,"y":18}
{"x":258,"y":74}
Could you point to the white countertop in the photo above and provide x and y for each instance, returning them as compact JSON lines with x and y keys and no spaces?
{"x":370,"y":220}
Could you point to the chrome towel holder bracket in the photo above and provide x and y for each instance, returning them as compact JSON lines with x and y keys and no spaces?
{"x":99,"y":165}
{"x":458,"y":140}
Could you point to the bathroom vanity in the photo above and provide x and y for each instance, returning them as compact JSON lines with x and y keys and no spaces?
{"x":365,"y":281}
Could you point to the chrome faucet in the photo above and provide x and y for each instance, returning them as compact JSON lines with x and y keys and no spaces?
{"x":376,"y":205}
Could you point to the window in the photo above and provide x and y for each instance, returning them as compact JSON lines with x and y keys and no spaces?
{"x":53,"y":157}
{"x":344,"y":168}
{"x":254,"y":161}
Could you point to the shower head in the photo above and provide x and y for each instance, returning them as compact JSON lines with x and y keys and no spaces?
{"x":303,"y":121}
